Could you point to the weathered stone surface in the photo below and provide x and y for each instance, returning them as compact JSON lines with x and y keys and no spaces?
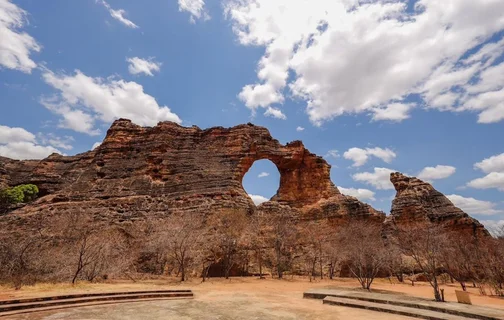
{"x":168,"y":168}
{"x":417,"y":201}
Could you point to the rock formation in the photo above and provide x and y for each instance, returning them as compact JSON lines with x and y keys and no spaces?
{"x":417,"y":201}
{"x":139,"y":171}
{"x":155,"y":171}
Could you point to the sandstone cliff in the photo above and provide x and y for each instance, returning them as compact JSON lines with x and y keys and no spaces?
{"x":139,"y":171}
{"x":417,"y":201}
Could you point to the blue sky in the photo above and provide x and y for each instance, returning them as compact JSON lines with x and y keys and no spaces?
{"x":373,"y":86}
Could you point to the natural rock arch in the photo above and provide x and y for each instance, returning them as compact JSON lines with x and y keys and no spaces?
{"x":304,"y":176}
{"x":139,"y":171}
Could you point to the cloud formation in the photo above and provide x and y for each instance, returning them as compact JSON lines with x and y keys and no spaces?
{"x":473,"y":206}
{"x":257,"y":199}
{"x":340,"y":51}
{"x":361,"y":156}
{"x":20,"y":144}
{"x":15,"y":45}
{"x":494,"y":167}
{"x":275,"y":113}
{"x":83,"y":100}
{"x":263,"y":175}
{"x":361,"y":194}
{"x":146,"y":66}
{"x":495,"y":227}
{"x":118,"y":15}
{"x":196,"y":8}
{"x":436,"y":173}
{"x":379,"y":178}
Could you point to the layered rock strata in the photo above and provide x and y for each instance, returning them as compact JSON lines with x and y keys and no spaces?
{"x":417,"y":202}
{"x":139,"y":171}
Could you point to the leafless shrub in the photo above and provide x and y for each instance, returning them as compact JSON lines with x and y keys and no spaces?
{"x":364,"y":250}
{"x":227,"y":234}
{"x":282,"y":237}
{"x":21,"y":260}
{"x":425,"y":244}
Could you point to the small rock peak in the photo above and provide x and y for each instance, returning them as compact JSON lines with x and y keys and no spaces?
{"x":168,"y":123}
{"x":295,"y":143}
{"x":54,"y":155}
{"x":400,"y":181}
{"x":121,"y":121}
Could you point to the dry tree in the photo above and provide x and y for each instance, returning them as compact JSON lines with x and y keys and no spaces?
{"x":425,"y":244}
{"x":364,"y":250}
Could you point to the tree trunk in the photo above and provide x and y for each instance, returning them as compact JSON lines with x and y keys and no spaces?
{"x":259,"y":257}
{"x":331,"y":270}
{"x":437,"y":293}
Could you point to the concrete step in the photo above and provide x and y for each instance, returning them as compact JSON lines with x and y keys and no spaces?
{"x":399,"y":310}
{"x":467,"y":311}
{"x":83,"y":295}
{"x":26,"y":304}
{"x":82,"y":305}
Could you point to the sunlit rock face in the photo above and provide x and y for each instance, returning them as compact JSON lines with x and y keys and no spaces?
{"x":417,"y":202}
{"x":139,"y":171}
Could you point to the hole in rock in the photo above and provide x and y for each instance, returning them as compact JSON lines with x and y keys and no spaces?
{"x":261,"y":181}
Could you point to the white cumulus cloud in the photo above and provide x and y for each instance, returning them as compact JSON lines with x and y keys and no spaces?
{"x":195,"y":7}
{"x":473,"y":206}
{"x":361,"y":194}
{"x":436,"y":173}
{"x":83,"y":100}
{"x":20,"y":144}
{"x":55,"y":141}
{"x":332,"y":154}
{"x":118,"y":15}
{"x":494,"y":163}
{"x":96,"y":145}
{"x":379,"y":178}
{"x":495,"y":227}
{"x":275,"y":113}
{"x":15,"y":45}
{"x":257,"y":199}
{"x":146,"y":66}
{"x":494,"y":167}
{"x":263,"y":175}
{"x":361,"y":156}
{"x":299,"y":129}
{"x":8,"y":134}
{"x":491,"y":180}
{"x":349,"y":56}
{"x":393,"y":112}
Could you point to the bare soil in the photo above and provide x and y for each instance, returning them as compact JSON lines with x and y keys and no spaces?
{"x":236,"y":298}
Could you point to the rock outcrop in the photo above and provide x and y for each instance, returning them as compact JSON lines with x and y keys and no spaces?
{"x":418,"y":202}
{"x":139,"y":171}
{"x":156,"y":171}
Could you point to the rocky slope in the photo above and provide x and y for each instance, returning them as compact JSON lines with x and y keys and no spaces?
{"x":139,"y":171}
{"x":417,"y":201}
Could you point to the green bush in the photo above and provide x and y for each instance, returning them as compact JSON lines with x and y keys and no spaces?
{"x":19,"y":194}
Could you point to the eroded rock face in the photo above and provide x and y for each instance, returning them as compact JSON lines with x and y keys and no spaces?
{"x":168,"y":168}
{"x":417,"y":201}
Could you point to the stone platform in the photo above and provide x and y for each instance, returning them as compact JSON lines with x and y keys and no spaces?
{"x":403,"y":305}
{"x":19,"y":306}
